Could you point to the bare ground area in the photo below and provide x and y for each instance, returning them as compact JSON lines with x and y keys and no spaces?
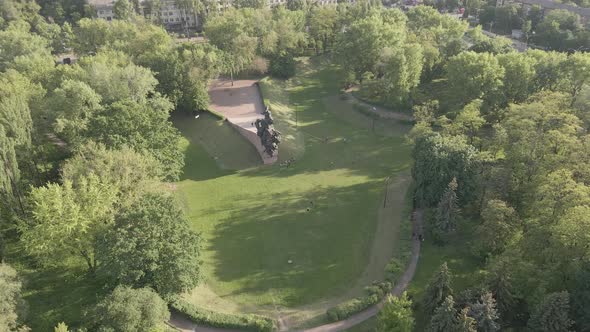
{"x":241,"y":103}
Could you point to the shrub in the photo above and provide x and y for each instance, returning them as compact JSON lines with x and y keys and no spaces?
{"x":228,"y":321}
{"x":393,"y":268}
{"x":216,"y":114}
{"x":375,"y":293}
{"x":282,"y":65}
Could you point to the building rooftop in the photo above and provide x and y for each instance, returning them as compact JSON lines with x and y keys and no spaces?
{"x":101,"y":2}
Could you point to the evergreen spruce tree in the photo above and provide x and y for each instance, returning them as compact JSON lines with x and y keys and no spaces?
{"x":447,"y":212}
{"x":485,"y":314}
{"x":501,"y":287}
{"x":581,"y":300}
{"x":445,"y":317}
{"x":466,"y":323}
{"x":438,"y":289}
{"x":553,"y":314}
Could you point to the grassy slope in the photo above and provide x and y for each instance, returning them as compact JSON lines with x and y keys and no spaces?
{"x":255,"y":220}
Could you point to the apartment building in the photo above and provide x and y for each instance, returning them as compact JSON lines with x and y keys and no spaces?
{"x":173,"y":17}
{"x":168,"y":13}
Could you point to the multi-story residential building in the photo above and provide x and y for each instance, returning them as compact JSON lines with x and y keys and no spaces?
{"x":104,"y":8}
{"x":173,"y":17}
{"x":549,"y":5}
{"x":168,"y":13}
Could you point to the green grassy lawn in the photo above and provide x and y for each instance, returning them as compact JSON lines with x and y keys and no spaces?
{"x":254,"y":220}
{"x":54,"y":295}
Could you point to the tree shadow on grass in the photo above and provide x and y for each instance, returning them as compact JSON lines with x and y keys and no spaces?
{"x":326,"y":233}
{"x":55,"y":294}
{"x":212,"y":147}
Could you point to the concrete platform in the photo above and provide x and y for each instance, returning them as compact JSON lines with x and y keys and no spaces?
{"x":242,"y":105}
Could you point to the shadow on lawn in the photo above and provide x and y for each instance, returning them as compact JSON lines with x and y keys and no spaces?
{"x":327,"y":245}
{"x":54,"y":294}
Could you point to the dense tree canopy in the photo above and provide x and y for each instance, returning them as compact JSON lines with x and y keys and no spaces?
{"x":12,"y":306}
{"x":501,"y":136}
{"x":128,"y":309}
{"x":152,"y":245}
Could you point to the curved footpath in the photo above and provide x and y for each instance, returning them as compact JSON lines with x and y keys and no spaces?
{"x":184,"y":324}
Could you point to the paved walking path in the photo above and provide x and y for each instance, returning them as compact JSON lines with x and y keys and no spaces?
{"x":381,"y":112}
{"x":183,"y":324}
{"x":241,"y":103}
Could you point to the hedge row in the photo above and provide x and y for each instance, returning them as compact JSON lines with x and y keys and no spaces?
{"x":375,"y":293}
{"x":216,"y":114}
{"x":229,"y":321}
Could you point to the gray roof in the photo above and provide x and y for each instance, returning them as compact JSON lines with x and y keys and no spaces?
{"x":100,"y":3}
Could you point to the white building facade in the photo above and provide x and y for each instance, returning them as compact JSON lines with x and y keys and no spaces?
{"x":173,"y":17}
{"x":169,"y":14}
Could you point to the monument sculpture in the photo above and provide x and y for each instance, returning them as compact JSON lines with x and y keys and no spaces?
{"x":269,"y":137}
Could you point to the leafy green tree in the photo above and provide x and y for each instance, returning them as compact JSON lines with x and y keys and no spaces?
{"x":151,"y":244}
{"x":468,"y":122}
{"x":401,"y":68}
{"x":519,"y":76}
{"x":63,"y":43}
{"x":130,"y":310}
{"x":497,"y":45}
{"x":19,"y":45}
{"x":440,"y":36}
{"x":282,"y":65}
{"x":529,"y":148}
{"x":485,"y":314}
{"x":323,"y":27}
{"x":535,"y":15}
{"x":506,"y":19}
{"x":184,"y":73}
{"x":115,"y":78}
{"x":256,"y":4}
{"x":445,"y":317}
{"x":73,"y":105}
{"x":396,"y":315}
{"x":296,"y":5}
{"x":90,"y":35}
{"x":16,"y":92}
{"x":552,"y":314}
{"x":497,"y":229}
{"x":145,"y":128}
{"x":9,"y":175}
{"x":288,"y":29}
{"x":577,"y":72}
{"x":474,"y":76}
{"x":67,"y":220}
{"x":360,"y":46}
{"x":132,"y":174}
{"x":548,"y":69}
{"x":558,"y":29}
{"x":12,"y":305}
{"x":230,"y":33}
{"x":438,"y":289}
{"x":122,"y":9}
